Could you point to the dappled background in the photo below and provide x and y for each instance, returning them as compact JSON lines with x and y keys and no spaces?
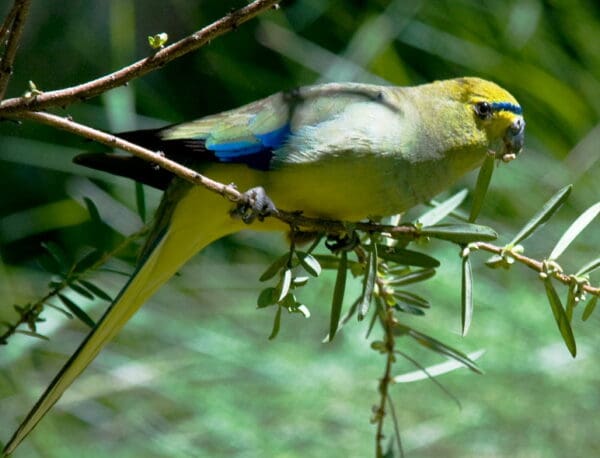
{"x":193,"y":374}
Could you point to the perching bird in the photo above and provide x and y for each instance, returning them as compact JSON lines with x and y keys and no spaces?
{"x":339,"y":151}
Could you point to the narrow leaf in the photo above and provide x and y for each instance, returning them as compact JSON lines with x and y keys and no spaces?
{"x":32,"y":334}
{"x":460,"y":233}
{"x":60,"y":309}
{"x":140,"y":200}
{"x":87,"y":261}
{"x":338,"y":295}
{"x":545,"y":213}
{"x":466,"y":311}
{"x":483,"y":183}
{"x":81,"y":291}
{"x":276,"y":324}
{"x":588,"y":268}
{"x":437,"y":346}
{"x":267,"y":296}
{"x":575,"y":229}
{"x":283,"y":287}
{"x":435,"y":370}
{"x":413,"y":277}
{"x":411,"y":298}
{"x":95,"y":290}
{"x":274,"y":268}
{"x":560,"y":316}
{"x":407,"y":308}
{"x":309,"y":263}
{"x":368,"y":282}
{"x":92,"y":210}
{"x":406,"y":257}
{"x":443,"y":209}
{"x":57,"y":255}
{"x":76,"y":310}
{"x":589,"y":308}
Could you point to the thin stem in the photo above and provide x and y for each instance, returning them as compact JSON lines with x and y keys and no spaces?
{"x":163,"y":56}
{"x":533,"y":264}
{"x":386,"y":380}
{"x":396,"y":426}
{"x":14,"y":29}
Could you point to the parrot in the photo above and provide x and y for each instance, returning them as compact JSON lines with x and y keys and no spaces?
{"x":341,"y":151}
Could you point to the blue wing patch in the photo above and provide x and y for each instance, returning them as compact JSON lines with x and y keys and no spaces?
{"x":233,"y":151}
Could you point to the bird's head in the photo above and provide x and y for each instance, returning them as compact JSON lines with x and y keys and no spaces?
{"x":497,"y":113}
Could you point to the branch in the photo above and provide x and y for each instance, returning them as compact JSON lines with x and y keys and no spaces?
{"x":93,"y":88}
{"x":294,"y":219}
{"x":13,"y":26}
{"x":533,"y":264}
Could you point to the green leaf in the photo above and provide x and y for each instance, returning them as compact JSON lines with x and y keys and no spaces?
{"x":483,"y":182}
{"x":545,"y":213}
{"x":466,"y":311}
{"x":406,"y":257}
{"x":370,"y":276}
{"x":330,"y":262}
{"x":413,"y":277}
{"x":92,"y":210}
{"x":58,"y":255}
{"x":338,"y":295}
{"x":140,"y":200}
{"x":87,"y":261}
{"x":411,"y":298}
{"x":407,"y":308}
{"x":460,"y":233}
{"x":60,"y":309}
{"x":589,"y":308}
{"x":436,"y":346}
{"x":32,"y":334}
{"x":309,"y":263}
{"x":283,"y":287}
{"x":267,"y":297}
{"x":571,"y":303}
{"x":95,"y":290}
{"x":574,"y":230}
{"x":275,"y":267}
{"x":443,"y":209}
{"x":76,"y":310}
{"x":276,"y":324}
{"x":588,"y":268}
{"x":560,"y":316}
{"x":81,"y":291}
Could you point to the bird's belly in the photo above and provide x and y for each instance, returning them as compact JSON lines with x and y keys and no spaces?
{"x":348,"y":190}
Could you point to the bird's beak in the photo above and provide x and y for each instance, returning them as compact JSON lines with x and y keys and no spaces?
{"x":514,"y":138}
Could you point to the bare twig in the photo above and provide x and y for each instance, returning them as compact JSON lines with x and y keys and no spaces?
{"x":533,"y":264}
{"x":229,"y":191}
{"x":8,"y":20}
{"x":386,"y":380}
{"x":93,"y":88}
{"x":13,"y":26}
{"x":112,"y":141}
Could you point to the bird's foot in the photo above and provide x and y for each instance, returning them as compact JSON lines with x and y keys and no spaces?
{"x":255,"y":205}
{"x":346,"y":242}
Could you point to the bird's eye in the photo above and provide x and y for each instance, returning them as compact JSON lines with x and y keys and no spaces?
{"x":483,"y":110}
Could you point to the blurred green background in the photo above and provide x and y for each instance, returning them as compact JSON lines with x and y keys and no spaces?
{"x":193,"y":373}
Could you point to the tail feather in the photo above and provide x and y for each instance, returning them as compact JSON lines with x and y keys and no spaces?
{"x":170,"y":252}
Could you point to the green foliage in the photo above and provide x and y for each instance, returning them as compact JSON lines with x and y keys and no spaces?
{"x":214,"y":357}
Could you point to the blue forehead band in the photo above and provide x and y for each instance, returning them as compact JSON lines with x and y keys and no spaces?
{"x":507,"y":106}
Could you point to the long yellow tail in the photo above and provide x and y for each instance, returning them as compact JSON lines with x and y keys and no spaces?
{"x":198,"y":219}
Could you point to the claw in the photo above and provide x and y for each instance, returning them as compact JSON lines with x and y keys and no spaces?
{"x":256,"y":205}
